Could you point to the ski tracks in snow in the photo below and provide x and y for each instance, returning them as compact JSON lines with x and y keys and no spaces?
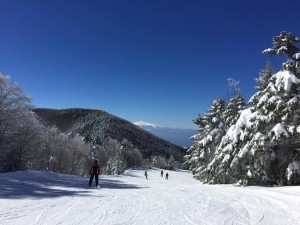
{"x":130,"y":199}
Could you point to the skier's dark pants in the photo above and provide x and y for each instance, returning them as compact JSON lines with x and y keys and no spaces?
{"x":92,"y":177}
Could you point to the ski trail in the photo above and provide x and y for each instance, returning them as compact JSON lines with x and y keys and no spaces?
{"x":130,"y":199}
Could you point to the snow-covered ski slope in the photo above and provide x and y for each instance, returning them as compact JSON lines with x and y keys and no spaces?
{"x":37,"y":198}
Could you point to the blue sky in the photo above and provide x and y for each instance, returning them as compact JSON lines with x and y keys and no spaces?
{"x":153,"y":60}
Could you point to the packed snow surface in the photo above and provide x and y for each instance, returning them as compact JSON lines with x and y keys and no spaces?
{"x":37,"y":198}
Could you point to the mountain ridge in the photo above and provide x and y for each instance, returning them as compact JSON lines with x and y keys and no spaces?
{"x":97,"y":125}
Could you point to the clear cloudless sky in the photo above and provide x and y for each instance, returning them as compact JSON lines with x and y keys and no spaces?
{"x":160,"y":61}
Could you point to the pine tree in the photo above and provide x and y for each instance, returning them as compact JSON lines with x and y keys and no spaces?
{"x":211,"y":130}
{"x":260,"y":145}
{"x":233,"y":109}
{"x":220,"y":167}
{"x":264,"y":77}
{"x":285,"y":44}
{"x":262,"y":82}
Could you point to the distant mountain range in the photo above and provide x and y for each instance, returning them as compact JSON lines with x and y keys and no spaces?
{"x":97,"y":125}
{"x":177,"y":136}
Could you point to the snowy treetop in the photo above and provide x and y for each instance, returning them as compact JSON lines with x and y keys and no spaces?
{"x":285,"y":79}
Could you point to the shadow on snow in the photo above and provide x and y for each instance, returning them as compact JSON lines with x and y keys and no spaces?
{"x":37,"y":184}
{"x":115,"y":184}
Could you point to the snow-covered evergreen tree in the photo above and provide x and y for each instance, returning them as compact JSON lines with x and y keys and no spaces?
{"x":211,"y":130}
{"x":285,"y":44}
{"x":233,"y":109}
{"x":260,"y":145}
{"x":219,"y":165}
{"x":264,"y":77}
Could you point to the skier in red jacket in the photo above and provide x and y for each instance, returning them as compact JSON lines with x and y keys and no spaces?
{"x":94,"y":172}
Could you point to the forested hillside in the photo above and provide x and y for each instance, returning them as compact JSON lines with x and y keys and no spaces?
{"x":96,"y":126}
{"x":67,"y":141}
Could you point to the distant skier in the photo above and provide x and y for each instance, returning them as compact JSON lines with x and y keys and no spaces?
{"x":146,"y":174}
{"x":167,"y":176}
{"x":162,"y":173}
{"x":94,"y":172}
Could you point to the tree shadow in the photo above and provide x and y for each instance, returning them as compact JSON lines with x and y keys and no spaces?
{"x":39,"y":184}
{"x":116,"y":184}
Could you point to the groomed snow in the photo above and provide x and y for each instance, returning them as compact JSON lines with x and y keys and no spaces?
{"x":37,"y":198}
